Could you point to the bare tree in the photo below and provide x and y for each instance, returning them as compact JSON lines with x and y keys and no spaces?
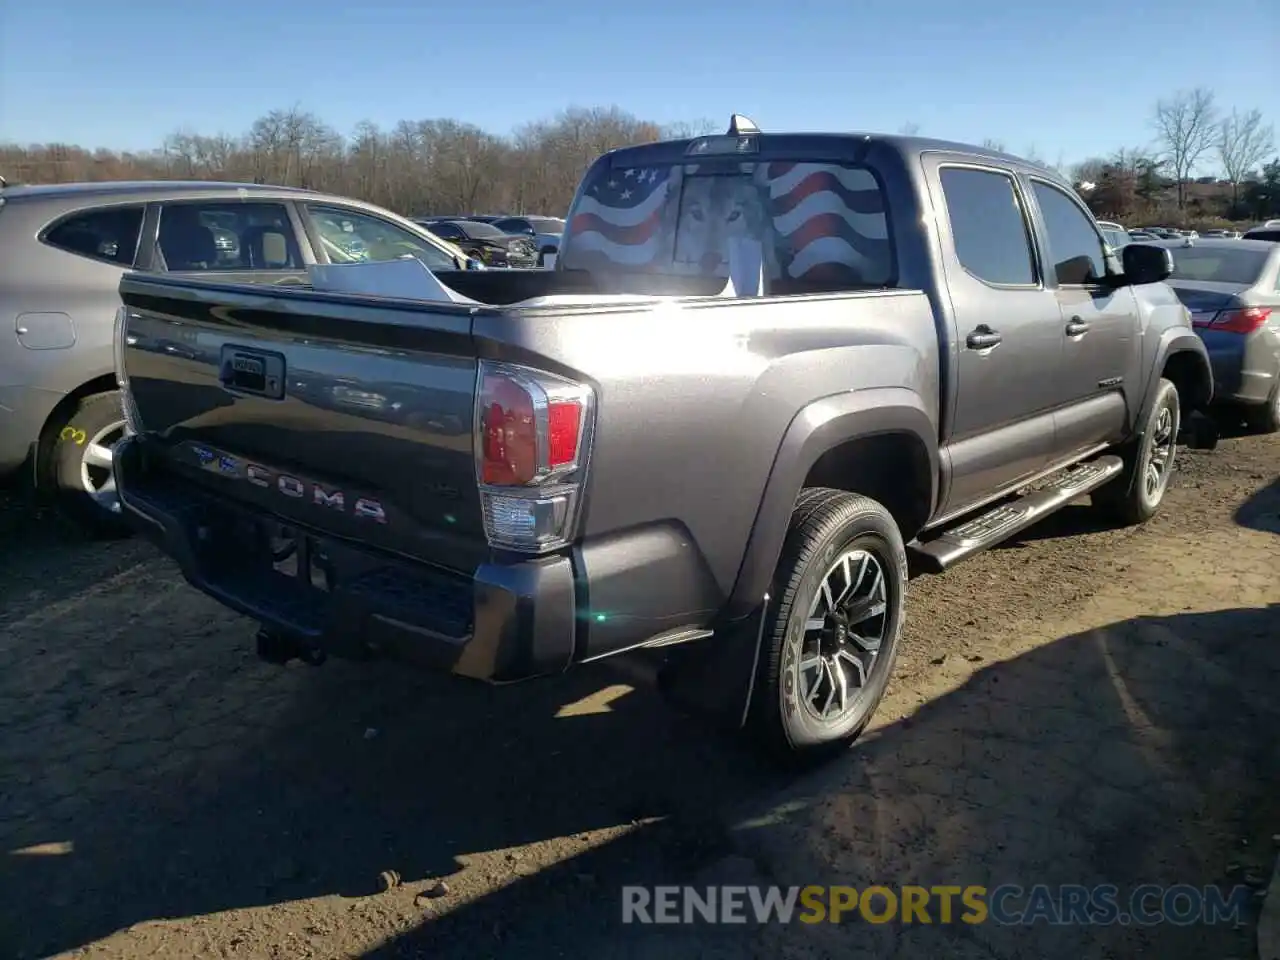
{"x":909,"y":129}
{"x":1186,"y":127}
{"x":1243,"y":143}
{"x":994,"y":145}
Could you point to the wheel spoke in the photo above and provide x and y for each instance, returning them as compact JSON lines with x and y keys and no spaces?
{"x":98,"y":455}
{"x":831,"y":685}
{"x":857,"y":664}
{"x":842,"y":683}
{"x":864,"y":610}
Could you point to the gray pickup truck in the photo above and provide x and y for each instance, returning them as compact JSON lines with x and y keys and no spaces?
{"x":640,"y":450}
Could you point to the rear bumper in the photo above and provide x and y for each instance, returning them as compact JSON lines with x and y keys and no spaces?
{"x":504,"y":623}
{"x":1245,"y":369}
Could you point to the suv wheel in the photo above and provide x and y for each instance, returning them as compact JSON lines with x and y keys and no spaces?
{"x":75,"y":464}
{"x":1136,"y":494}
{"x":831,"y":641}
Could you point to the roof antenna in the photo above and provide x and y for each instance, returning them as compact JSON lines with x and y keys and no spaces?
{"x":739,"y":125}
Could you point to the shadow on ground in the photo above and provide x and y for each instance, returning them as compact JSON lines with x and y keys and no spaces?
{"x":1262,"y":511}
{"x":187,"y":778}
{"x":1142,"y":752}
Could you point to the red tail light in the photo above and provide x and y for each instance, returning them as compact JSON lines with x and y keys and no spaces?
{"x":1246,"y":320}
{"x":531,"y":433}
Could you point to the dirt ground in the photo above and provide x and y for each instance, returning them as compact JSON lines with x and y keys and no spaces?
{"x":1080,"y":706}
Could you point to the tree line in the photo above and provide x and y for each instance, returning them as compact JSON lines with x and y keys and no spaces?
{"x":418,"y":167}
{"x":443,"y":166}
{"x":1155,"y":182}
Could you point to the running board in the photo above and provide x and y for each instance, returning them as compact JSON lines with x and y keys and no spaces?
{"x":1001,"y":522}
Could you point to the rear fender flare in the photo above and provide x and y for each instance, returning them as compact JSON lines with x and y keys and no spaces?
{"x":817,"y":428}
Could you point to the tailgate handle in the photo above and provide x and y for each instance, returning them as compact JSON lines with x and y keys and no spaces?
{"x":259,"y":373}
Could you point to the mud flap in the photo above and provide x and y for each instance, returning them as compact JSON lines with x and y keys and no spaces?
{"x":715,"y":679}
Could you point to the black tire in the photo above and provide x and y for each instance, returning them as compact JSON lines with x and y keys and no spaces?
{"x":63,"y":469}
{"x":826,"y":526}
{"x":1129,"y":499}
{"x":1266,"y":418}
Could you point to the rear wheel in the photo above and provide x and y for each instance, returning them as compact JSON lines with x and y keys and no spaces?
{"x":75,"y":463}
{"x":1266,"y":418}
{"x":831,"y":640}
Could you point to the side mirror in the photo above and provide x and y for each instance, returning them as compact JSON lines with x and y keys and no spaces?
{"x":1144,"y":263}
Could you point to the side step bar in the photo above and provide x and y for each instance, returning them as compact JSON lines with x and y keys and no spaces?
{"x":948,"y":548}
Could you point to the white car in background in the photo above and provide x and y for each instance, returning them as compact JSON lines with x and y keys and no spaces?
{"x":545,"y":231}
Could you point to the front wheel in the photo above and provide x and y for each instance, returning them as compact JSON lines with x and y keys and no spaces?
{"x":831,"y":641}
{"x":1136,"y":494}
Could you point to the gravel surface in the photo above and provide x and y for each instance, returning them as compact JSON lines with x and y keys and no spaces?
{"x":1080,"y":705}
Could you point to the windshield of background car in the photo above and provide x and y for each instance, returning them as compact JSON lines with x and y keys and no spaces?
{"x":1218,"y":264}
{"x":352,"y":237}
{"x":821,"y":222}
{"x":480,"y":231}
{"x":546,"y":225}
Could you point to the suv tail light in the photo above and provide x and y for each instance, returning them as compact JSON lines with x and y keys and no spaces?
{"x":533,"y":434}
{"x":120,"y":342}
{"x":1245,"y":320}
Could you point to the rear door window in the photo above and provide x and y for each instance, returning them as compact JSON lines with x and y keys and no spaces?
{"x":988,"y":227}
{"x":109,"y":234}
{"x":210,"y":235}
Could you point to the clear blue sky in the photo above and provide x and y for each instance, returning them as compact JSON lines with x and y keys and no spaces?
{"x":1070,"y":79}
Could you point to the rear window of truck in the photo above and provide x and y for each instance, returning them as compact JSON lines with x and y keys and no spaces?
{"x":823,"y":226}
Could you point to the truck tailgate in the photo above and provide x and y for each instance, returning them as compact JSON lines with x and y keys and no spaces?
{"x":320,"y":409}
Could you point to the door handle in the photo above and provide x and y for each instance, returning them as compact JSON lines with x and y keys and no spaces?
{"x":983,"y":338}
{"x":1077,"y":327}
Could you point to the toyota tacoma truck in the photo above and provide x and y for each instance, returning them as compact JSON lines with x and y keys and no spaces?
{"x":652,"y":447}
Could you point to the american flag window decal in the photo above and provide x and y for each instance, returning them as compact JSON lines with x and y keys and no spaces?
{"x":821,"y":222}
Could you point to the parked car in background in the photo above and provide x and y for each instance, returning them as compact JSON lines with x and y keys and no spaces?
{"x":1115,"y":235}
{"x":65,"y":247}
{"x":1140,"y":236}
{"x":486,"y":243}
{"x":545,"y":231}
{"x":1268,"y":231}
{"x":1232,"y":288}
{"x":1221,"y":234}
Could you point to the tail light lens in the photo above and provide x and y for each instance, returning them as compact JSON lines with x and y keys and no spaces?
{"x":1245,"y":320}
{"x":532,"y":437}
{"x":120,"y":342}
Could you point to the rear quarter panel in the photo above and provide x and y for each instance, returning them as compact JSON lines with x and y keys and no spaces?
{"x":77,"y":298}
{"x":696,"y":397}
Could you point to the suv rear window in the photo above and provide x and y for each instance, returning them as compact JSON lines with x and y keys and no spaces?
{"x":823,"y":226}
{"x":109,"y":234}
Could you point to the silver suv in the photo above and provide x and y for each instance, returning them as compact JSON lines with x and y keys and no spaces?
{"x":63,"y":249}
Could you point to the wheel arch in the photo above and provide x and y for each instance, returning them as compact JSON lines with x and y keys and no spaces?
{"x":880,"y":443}
{"x":103,"y":383}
